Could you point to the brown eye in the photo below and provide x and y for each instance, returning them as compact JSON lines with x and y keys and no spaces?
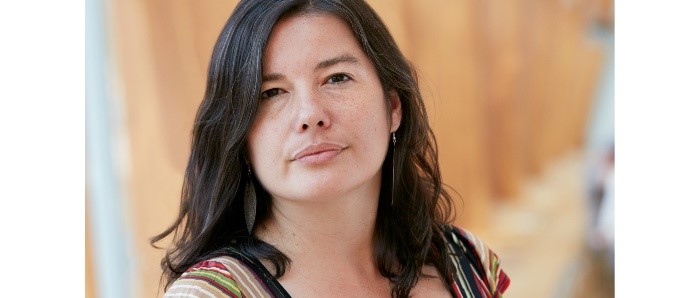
{"x":338,"y":78}
{"x":270,"y":93}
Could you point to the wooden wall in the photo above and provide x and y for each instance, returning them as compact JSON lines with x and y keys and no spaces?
{"x":507,"y":85}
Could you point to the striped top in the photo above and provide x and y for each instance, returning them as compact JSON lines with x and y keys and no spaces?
{"x":478,"y":273}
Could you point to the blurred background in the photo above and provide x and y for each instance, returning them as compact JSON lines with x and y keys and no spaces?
{"x":520,"y":95}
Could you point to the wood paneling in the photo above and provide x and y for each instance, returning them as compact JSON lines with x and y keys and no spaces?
{"x":162,"y":50}
{"x":449,"y":72}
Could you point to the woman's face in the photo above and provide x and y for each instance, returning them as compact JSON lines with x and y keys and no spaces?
{"x":324,"y":122}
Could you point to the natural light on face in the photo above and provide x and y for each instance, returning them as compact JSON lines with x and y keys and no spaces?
{"x":322,"y":130}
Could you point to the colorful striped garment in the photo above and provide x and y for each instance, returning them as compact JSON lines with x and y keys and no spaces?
{"x":478,"y":273}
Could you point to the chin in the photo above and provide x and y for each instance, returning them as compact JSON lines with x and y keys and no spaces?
{"x":319,"y":188}
{"x":319,"y":193}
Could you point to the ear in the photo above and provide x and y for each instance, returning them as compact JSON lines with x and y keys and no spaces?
{"x":395,"y":110}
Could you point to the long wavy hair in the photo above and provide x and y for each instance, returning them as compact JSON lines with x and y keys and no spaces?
{"x":408,"y":234}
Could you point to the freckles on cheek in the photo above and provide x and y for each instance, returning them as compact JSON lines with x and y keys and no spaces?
{"x":256,"y":143}
{"x":271,"y":146}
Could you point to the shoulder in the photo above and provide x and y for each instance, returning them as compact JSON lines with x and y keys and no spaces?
{"x":483,"y":263}
{"x":218,"y":277}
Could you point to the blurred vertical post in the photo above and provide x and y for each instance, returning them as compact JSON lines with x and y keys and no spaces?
{"x":109,"y":238}
{"x":90,"y":291}
{"x":538,"y":50}
{"x":500,"y":29}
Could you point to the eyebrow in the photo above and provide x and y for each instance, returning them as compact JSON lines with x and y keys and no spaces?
{"x":271,"y":77}
{"x":346,"y":58}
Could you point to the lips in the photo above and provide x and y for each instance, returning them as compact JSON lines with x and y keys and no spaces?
{"x":317,"y":153}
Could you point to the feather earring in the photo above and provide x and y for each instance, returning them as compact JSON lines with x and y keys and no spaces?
{"x":393,"y":157}
{"x":250,"y":202}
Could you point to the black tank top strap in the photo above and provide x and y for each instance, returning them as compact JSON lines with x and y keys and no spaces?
{"x":464,"y":257}
{"x":259,"y":269}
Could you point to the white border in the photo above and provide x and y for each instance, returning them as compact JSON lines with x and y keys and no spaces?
{"x":42,"y":155}
{"x":658,"y":154}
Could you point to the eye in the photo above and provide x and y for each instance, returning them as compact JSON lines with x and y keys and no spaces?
{"x":271,"y":93}
{"x":338,"y":78}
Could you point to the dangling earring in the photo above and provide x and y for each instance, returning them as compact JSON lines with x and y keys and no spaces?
{"x":393,"y":157}
{"x":250,"y":202}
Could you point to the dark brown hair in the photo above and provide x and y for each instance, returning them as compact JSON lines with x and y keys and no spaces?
{"x":408,"y":234}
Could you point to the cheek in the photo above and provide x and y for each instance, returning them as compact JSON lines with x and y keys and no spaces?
{"x":265,"y":144}
{"x":263,"y":117}
{"x":372,"y":115}
{"x":259,"y":142}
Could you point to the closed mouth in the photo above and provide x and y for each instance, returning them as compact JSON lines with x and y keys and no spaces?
{"x":318,"y":150}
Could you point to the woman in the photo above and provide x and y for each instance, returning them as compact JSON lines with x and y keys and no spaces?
{"x":313,"y":171}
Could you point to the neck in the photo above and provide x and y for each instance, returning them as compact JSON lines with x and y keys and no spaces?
{"x":336,"y":231}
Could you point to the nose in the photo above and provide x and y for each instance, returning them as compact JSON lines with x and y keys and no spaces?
{"x":312,"y":112}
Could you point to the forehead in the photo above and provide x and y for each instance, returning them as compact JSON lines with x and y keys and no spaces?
{"x":309,"y":38}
